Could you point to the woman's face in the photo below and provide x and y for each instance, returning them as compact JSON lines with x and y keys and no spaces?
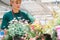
{"x":16,"y":4}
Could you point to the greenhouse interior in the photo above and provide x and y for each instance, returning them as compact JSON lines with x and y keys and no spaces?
{"x":45,"y":12}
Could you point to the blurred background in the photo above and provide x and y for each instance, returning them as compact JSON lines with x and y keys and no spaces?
{"x":43,"y":10}
{"x":46,"y":11}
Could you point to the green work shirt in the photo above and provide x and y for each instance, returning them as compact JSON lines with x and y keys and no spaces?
{"x":10,"y":16}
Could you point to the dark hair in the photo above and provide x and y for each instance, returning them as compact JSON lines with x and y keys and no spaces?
{"x":17,"y":37}
{"x":47,"y":37}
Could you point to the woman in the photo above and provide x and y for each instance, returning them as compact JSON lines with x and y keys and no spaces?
{"x":15,"y":13}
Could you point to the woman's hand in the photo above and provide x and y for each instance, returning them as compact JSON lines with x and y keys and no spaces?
{"x":5,"y":31}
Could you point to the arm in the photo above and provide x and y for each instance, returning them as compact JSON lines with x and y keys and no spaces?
{"x":4,"y":22}
{"x":4,"y":25}
{"x":31,"y":18}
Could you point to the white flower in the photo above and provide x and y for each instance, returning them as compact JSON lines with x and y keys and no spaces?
{"x":17,"y":28}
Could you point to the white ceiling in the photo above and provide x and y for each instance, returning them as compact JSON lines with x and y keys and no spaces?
{"x":7,"y":1}
{"x":49,"y":0}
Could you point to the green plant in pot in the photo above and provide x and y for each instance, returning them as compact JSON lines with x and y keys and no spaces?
{"x":17,"y":29}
